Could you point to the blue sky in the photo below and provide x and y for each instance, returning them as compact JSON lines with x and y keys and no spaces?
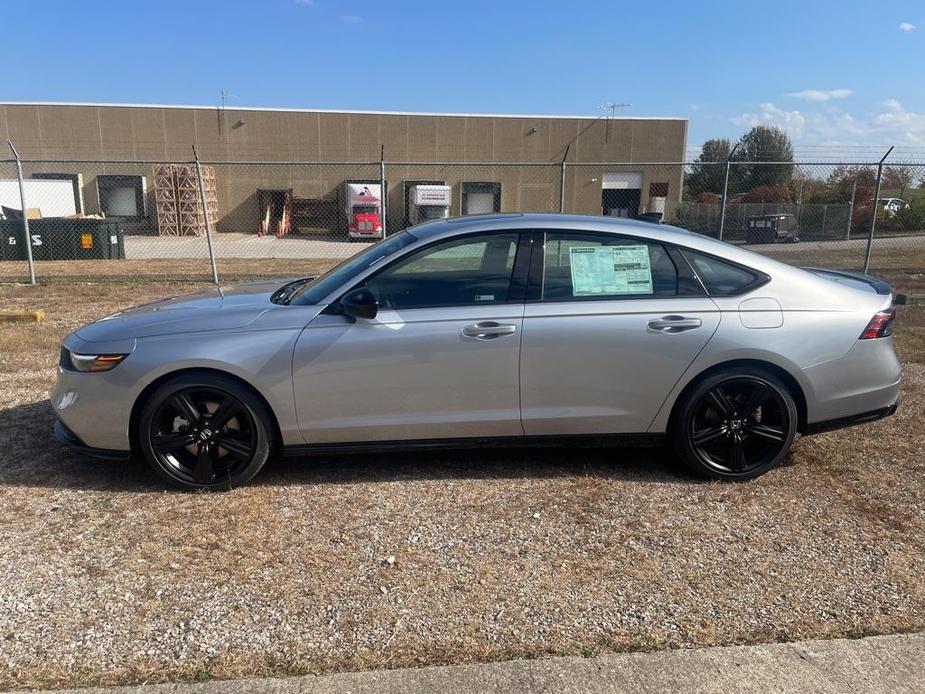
{"x":831,"y":73}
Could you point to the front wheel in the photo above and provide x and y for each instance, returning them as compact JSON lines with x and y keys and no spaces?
{"x":205,"y":431}
{"x":734,"y":425}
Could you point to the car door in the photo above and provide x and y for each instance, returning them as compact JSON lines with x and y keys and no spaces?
{"x":610,"y":325}
{"x":440,"y":360}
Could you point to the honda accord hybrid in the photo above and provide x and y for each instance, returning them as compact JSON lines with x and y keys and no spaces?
{"x":508,"y":329}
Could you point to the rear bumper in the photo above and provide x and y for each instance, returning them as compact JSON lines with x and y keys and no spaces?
{"x":71,"y":440}
{"x":365,"y":234}
{"x":850,"y":421}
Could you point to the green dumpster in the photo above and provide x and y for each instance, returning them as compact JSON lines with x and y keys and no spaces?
{"x":63,"y":239}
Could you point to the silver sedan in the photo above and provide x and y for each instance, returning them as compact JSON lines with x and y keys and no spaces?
{"x":489,"y":330}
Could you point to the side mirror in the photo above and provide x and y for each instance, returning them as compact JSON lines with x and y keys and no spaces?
{"x":360,"y":303}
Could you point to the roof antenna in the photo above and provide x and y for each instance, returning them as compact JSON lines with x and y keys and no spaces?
{"x":613,"y":106}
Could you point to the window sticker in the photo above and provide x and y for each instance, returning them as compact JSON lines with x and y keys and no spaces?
{"x":603,"y":270}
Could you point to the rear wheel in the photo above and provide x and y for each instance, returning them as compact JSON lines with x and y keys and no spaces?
{"x":734,"y":425}
{"x":205,"y":431}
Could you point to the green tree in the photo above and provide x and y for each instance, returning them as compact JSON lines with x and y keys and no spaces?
{"x":763,"y":143}
{"x":707,"y":173}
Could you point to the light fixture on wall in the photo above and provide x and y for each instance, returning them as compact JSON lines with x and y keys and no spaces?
{"x":531,"y":131}
{"x":238,"y":124}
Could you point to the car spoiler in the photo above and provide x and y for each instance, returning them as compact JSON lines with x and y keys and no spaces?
{"x":876,"y":284}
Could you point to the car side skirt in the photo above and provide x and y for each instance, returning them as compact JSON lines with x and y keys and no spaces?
{"x":550,"y":441}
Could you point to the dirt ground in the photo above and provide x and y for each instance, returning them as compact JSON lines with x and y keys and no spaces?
{"x":438,"y":557}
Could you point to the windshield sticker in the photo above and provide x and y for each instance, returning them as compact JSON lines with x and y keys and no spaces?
{"x":603,"y":270}
{"x":484,"y":297}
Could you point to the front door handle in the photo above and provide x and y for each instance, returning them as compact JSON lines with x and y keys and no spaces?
{"x":488,"y":330}
{"x":674,"y":324}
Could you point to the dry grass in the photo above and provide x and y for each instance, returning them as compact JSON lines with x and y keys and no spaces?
{"x":107,"y":578}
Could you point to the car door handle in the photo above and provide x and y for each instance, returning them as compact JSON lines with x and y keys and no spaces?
{"x":674,"y":324}
{"x":489,"y":329}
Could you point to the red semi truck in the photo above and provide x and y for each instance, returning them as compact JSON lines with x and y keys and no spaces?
{"x":364,"y":210}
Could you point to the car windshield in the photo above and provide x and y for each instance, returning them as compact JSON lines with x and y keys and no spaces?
{"x":314,"y":292}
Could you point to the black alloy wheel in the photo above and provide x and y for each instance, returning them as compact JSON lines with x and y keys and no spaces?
{"x":206,"y":432}
{"x":735,"y":425}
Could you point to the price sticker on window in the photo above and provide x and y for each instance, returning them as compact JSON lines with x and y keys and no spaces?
{"x":610,"y":270}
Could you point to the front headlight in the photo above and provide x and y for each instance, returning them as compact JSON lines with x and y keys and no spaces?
{"x":90,"y":362}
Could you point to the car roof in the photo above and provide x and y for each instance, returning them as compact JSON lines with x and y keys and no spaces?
{"x":663,"y":233}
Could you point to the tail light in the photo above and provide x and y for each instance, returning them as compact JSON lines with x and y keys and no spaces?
{"x":881,"y":325}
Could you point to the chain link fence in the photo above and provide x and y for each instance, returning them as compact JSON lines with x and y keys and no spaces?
{"x":226,"y":221}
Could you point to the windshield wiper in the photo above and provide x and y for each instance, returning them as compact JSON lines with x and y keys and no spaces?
{"x":284,"y":294}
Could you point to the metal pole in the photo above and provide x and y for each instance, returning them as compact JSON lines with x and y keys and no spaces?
{"x":722,"y":211}
{"x":205,"y":215}
{"x":825,"y":209}
{"x":854,"y":191}
{"x":562,"y":181}
{"x":382,"y":189}
{"x":25,"y":216}
{"x":873,"y":215}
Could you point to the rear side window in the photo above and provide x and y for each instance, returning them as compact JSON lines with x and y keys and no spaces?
{"x":589,"y":266}
{"x":722,"y":278}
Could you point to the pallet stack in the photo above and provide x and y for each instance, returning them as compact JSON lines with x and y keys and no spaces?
{"x":180,"y":211}
{"x":165,"y":201}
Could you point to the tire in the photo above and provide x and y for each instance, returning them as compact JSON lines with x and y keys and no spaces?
{"x":734,"y":425}
{"x":205,"y":431}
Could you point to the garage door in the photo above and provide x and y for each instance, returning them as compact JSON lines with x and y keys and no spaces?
{"x":480,"y":203}
{"x":622,"y":181}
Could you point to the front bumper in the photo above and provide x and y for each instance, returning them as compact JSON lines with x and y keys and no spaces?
{"x":71,"y":440}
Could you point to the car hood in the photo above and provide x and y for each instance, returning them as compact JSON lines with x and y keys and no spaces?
{"x":223,"y":308}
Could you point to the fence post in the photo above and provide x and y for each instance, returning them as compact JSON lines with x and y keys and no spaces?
{"x":205,"y":215}
{"x":825,"y":209}
{"x":722,"y":209}
{"x":25,"y":216}
{"x":873,"y":213}
{"x":854,"y":191}
{"x":382,"y":191}
{"x":562,"y":181}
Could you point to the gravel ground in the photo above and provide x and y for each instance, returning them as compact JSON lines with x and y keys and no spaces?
{"x":439,"y":557}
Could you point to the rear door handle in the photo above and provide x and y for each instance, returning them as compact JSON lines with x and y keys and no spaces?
{"x":674,"y":324}
{"x":488,"y":330}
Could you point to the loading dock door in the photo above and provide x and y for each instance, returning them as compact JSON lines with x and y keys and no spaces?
{"x":480,"y":203}
{"x":621,"y":194}
{"x":480,"y":197}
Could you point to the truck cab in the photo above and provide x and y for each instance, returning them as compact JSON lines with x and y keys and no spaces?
{"x":364,"y":211}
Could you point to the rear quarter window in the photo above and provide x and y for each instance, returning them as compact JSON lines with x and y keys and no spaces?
{"x":722,"y":278}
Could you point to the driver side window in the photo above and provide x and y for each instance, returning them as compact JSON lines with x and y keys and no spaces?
{"x":470,"y":271}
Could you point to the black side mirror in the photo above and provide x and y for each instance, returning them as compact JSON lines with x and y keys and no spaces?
{"x":360,"y":303}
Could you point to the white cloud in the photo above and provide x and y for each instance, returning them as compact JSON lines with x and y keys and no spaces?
{"x":906,"y":26}
{"x":307,"y":3}
{"x":821,"y":94}
{"x":351,"y":19}
{"x":891,"y":123}
{"x":794,"y":122}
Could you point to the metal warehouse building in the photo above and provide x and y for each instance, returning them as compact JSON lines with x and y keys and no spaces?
{"x":490,"y":162}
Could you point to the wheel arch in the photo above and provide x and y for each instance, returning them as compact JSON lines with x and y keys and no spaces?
{"x":149,"y":389}
{"x":791,"y":383}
